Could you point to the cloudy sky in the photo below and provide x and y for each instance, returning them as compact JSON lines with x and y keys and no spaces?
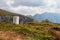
{"x":31,"y":7}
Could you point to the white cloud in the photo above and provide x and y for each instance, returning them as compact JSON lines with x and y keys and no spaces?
{"x":50,"y":3}
{"x":28,"y":10}
{"x":52,"y":6}
{"x":31,"y":6}
{"x":24,"y":9}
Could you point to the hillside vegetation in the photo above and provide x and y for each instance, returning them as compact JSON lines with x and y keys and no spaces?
{"x":7,"y":13}
{"x":32,"y":31}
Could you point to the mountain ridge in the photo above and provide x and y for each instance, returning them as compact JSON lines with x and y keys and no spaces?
{"x":53,"y":17}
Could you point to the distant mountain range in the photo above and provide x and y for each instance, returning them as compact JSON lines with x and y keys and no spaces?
{"x":53,"y":17}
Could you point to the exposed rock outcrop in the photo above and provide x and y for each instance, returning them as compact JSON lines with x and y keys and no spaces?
{"x":6,"y":16}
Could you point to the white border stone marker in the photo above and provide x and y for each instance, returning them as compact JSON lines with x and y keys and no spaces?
{"x":16,"y":19}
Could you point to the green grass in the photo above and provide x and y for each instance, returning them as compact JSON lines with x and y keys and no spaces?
{"x":39,"y":31}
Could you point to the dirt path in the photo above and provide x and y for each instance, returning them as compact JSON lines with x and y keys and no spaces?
{"x":9,"y":35}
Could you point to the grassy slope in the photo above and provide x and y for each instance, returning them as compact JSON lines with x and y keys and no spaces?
{"x":36,"y":31}
{"x":4,"y":12}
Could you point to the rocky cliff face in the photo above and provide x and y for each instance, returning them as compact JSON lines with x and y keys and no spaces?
{"x":25,"y":19}
{"x":6,"y":16}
